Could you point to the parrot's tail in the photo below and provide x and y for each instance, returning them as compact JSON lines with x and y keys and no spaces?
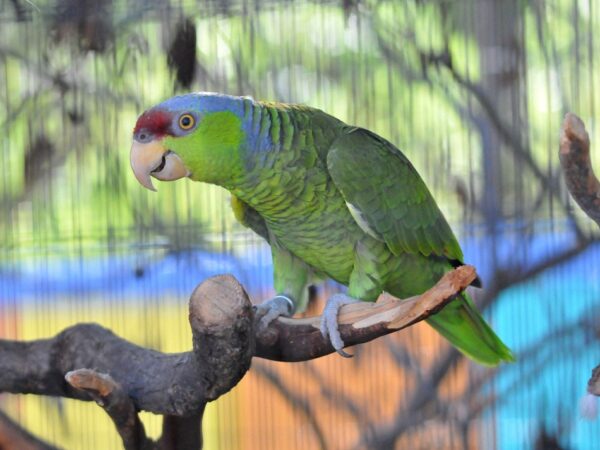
{"x":466,"y":329}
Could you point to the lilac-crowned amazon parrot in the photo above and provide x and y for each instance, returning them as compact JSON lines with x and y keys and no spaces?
{"x":332,"y":200}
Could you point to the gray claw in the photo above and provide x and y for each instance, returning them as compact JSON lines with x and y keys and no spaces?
{"x":341,"y":352}
{"x":329,"y":323}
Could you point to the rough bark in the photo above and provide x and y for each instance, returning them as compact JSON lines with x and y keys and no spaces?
{"x":117,"y":404}
{"x":176,"y":384}
{"x":583,"y":185}
{"x":577,"y":166}
{"x":127,"y":378}
{"x":89,"y":362}
{"x":301,"y":340}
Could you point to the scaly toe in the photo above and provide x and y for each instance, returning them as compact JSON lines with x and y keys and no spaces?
{"x":268,"y":317}
{"x":270,"y":310}
{"x":329,"y":324}
{"x":324,"y":329}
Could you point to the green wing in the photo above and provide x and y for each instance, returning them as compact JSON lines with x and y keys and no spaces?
{"x":387,"y":197}
{"x":390,"y":201}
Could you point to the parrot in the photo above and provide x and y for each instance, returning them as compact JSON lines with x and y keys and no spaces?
{"x":333,"y":201}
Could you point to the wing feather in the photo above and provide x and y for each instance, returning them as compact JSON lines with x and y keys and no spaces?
{"x":389,"y":195}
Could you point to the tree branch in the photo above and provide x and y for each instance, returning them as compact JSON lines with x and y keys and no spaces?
{"x":577,"y":166}
{"x":301,"y":340}
{"x":179,"y":384}
{"x":583,"y":185}
{"x":127,"y":378}
{"x":117,"y":404}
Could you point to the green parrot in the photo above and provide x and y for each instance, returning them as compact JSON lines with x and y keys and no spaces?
{"x":332,"y":200}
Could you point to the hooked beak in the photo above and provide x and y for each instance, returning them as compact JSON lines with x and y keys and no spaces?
{"x":153,"y":159}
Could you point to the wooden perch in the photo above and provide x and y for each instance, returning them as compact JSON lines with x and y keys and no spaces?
{"x":577,"y":166}
{"x":301,"y":340}
{"x":124,"y":378}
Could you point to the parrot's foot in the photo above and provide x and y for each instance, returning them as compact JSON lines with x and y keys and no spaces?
{"x":269,"y":310}
{"x":329,"y":323}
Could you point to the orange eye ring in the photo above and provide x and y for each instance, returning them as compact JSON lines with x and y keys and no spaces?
{"x":187,"y":122}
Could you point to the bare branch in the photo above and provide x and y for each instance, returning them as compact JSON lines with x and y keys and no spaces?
{"x":127,"y":378}
{"x":178,"y":384}
{"x":220,"y":316}
{"x":117,"y":404}
{"x":301,"y":339}
{"x":583,"y":185}
{"x":577,"y":166}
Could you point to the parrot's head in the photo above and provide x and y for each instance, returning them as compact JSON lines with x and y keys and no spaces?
{"x":195,"y":135}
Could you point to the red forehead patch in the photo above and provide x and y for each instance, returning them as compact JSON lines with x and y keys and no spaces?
{"x":156,"y":122}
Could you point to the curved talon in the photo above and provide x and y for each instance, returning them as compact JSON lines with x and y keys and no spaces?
{"x":341,"y":352}
{"x":329,"y":323}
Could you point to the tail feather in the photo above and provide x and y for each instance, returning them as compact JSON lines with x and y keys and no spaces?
{"x":466,"y":329}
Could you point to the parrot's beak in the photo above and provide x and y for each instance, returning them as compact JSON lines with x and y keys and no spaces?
{"x":153,"y":159}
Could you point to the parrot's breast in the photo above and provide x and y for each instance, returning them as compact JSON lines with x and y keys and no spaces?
{"x":324,"y":238}
{"x":308,"y":216}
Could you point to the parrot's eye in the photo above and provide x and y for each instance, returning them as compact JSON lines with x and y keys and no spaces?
{"x":187,"y":121}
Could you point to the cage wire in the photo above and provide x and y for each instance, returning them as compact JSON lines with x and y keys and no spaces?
{"x":472,"y":91}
